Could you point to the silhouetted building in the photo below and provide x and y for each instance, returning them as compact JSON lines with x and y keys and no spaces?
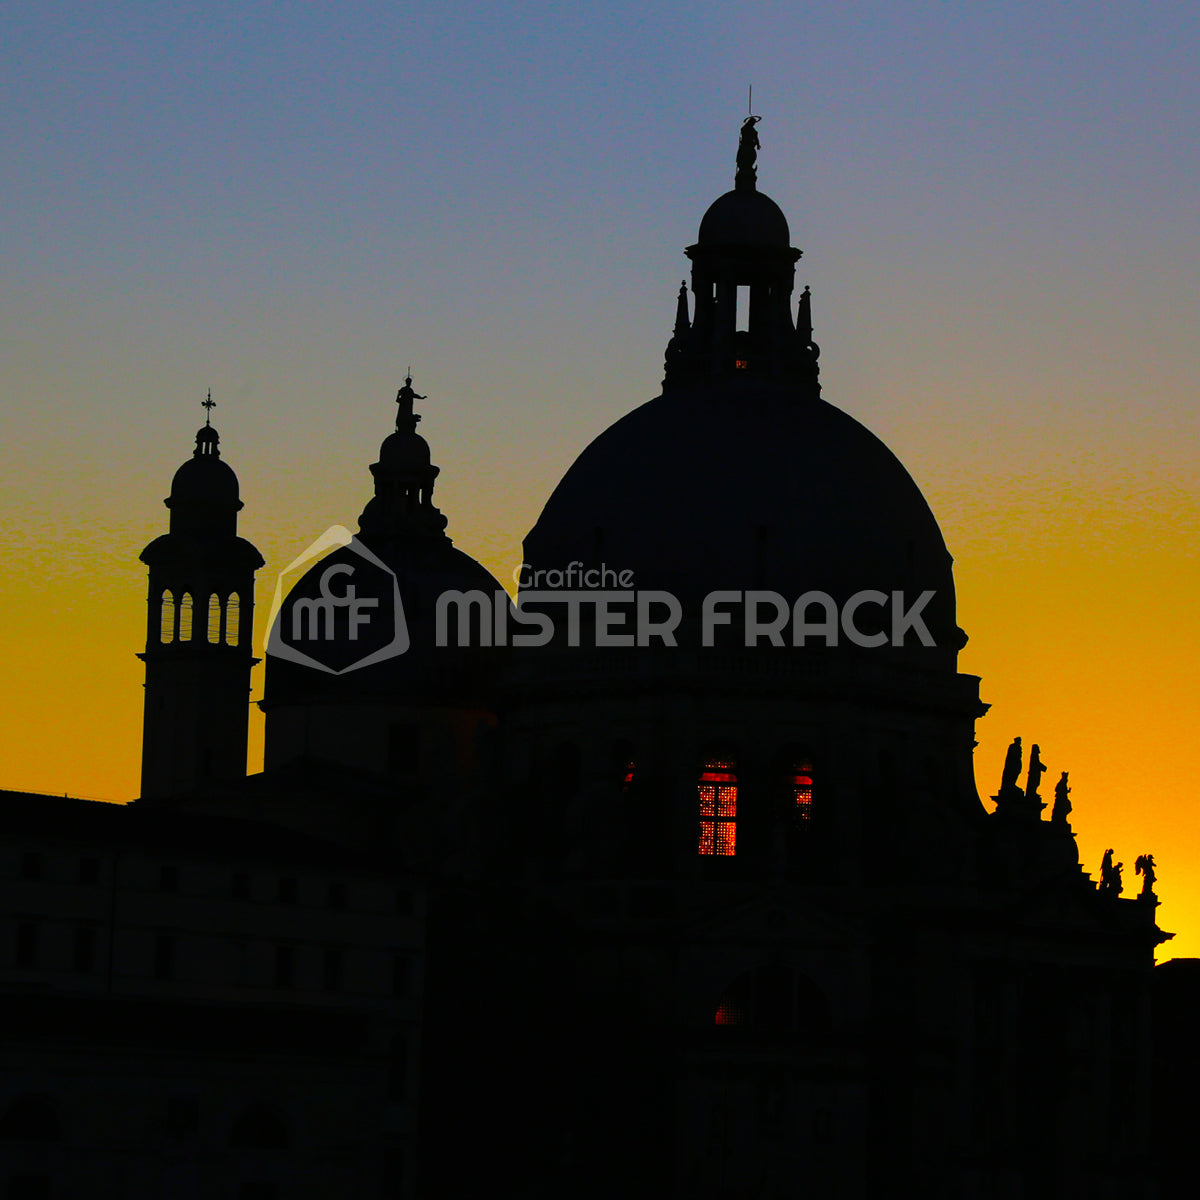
{"x":673,"y":881}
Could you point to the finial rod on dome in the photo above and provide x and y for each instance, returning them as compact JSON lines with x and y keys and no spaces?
{"x":208,"y":405}
{"x":747,"y":155}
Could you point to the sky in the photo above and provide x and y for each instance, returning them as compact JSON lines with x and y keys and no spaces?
{"x":292,"y":203}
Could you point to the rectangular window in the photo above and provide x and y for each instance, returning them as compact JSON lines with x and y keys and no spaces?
{"x":331,"y":968}
{"x":402,"y":973}
{"x":717,"y":793}
{"x":802,"y":792}
{"x":83,"y":950}
{"x":164,"y":956}
{"x":27,"y":944}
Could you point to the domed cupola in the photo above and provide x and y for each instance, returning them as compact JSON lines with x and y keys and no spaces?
{"x":743,"y":272}
{"x":402,"y":507}
{"x":739,"y":477}
{"x":362,"y":685}
{"x":204,"y":497}
{"x":773,"y":601}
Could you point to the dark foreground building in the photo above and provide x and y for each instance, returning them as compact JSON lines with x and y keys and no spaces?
{"x":673,"y":882}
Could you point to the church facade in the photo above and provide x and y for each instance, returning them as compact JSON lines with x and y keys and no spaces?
{"x":671,"y":880}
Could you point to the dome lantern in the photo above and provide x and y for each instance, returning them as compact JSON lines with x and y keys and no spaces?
{"x":743,"y":273}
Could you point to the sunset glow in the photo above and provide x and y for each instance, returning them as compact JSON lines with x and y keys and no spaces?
{"x":998,"y":217}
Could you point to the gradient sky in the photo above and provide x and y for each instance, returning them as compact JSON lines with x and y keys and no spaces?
{"x":290,"y":203}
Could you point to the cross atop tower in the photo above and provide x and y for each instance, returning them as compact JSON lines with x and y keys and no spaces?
{"x":208,"y":405}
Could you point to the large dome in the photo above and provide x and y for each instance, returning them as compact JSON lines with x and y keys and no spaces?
{"x":741,"y":487}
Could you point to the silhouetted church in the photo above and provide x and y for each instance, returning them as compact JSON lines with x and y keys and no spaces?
{"x":658,"y":896}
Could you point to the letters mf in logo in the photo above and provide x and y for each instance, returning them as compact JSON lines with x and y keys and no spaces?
{"x":337,"y":608}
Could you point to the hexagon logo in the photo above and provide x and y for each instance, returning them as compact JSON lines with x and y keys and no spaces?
{"x":337,"y":607}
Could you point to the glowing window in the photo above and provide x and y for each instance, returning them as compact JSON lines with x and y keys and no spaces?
{"x":184,"y":623}
{"x":717,"y":793}
{"x":800,"y":780}
{"x":167,"y":622}
{"x":627,"y":776}
{"x":232,"y":619}
{"x":214,"y":620}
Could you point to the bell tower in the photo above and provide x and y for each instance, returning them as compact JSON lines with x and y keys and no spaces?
{"x":199,"y":627}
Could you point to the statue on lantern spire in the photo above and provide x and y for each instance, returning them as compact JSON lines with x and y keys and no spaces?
{"x":747,"y":156}
{"x":405,"y":417}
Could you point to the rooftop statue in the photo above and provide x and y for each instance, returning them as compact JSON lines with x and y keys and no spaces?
{"x":1062,"y":803}
{"x":1144,"y":866}
{"x":1110,"y":876}
{"x":747,"y":155}
{"x":1012,"y":767}
{"x":1036,"y":770}
{"x":404,"y":398}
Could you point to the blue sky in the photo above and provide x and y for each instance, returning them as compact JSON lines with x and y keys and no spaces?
{"x":291,"y":203}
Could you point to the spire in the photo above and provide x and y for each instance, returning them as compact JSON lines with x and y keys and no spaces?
{"x":807,"y":351}
{"x":682,"y":323}
{"x":208,"y":405}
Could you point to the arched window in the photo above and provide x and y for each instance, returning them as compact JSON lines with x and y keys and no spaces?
{"x":184,"y":623}
{"x":214,"y":619}
{"x":717,"y":795}
{"x":166,"y":628}
{"x":233,"y":618}
{"x":31,"y":1119}
{"x":800,"y":784}
{"x":258,"y":1127}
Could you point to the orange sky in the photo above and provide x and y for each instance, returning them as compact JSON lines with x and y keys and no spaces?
{"x":997,"y":210}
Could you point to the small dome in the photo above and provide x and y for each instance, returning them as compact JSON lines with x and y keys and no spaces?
{"x":424,"y":569}
{"x":403,"y":451}
{"x":206,"y":480}
{"x":744,"y":218}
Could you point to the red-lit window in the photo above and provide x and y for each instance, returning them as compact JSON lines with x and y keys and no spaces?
{"x":627,"y":776}
{"x":800,"y":780}
{"x":717,"y":793}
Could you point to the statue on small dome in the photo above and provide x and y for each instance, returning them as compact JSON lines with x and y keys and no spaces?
{"x":404,"y":398}
{"x":747,"y":155}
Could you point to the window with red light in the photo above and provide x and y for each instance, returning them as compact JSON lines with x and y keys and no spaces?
{"x":717,"y":793}
{"x":800,"y":781}
{"x":627,"y":776}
